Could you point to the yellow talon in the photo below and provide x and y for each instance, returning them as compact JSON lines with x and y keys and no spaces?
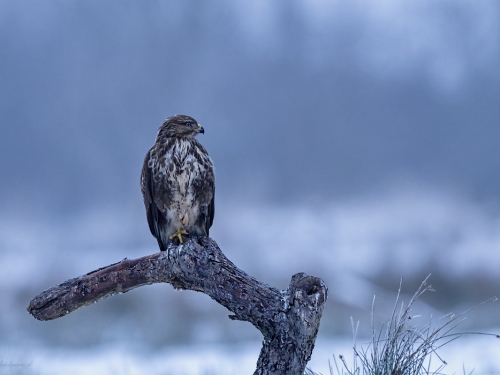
{"x":184,"y":221}
{"x":179,"y":234}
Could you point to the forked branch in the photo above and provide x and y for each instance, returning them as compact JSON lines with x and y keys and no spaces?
{"x":288,"y":319}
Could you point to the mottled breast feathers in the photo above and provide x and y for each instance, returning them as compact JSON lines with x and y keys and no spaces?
{"x":178,"y":183}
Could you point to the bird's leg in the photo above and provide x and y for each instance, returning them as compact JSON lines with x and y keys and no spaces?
{"x":179,"y":234}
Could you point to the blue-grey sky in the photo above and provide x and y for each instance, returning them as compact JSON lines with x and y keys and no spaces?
{"x":299,"y":99}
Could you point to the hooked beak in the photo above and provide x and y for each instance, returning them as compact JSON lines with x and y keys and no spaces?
{"x":200,"y":129}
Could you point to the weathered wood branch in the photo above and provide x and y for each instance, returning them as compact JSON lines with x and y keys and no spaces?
{"x":288,"y":319}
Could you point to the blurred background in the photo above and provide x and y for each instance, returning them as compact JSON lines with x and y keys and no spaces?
{"x":357,"y":141}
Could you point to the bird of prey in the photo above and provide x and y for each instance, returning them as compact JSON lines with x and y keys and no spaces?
{"x":178,"y":183}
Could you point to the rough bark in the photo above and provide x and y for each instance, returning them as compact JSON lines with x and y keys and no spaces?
{"x":289,"y":319}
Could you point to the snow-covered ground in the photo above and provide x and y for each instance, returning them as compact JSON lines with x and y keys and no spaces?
{"x":187,"y":333}
{"x":404,"y":228}
{"x":470,"y":353}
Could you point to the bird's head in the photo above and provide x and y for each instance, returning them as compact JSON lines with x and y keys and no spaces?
{"x":180,"y":126}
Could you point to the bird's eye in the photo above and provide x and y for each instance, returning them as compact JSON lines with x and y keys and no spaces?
{"x":188,"y":123}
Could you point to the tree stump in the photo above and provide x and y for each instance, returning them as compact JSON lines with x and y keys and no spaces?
{"x":288,"y":319}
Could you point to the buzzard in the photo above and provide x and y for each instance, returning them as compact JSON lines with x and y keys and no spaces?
{"x":178,"y":182}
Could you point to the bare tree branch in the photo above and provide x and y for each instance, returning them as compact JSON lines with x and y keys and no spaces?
{"x":289,"y":319}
